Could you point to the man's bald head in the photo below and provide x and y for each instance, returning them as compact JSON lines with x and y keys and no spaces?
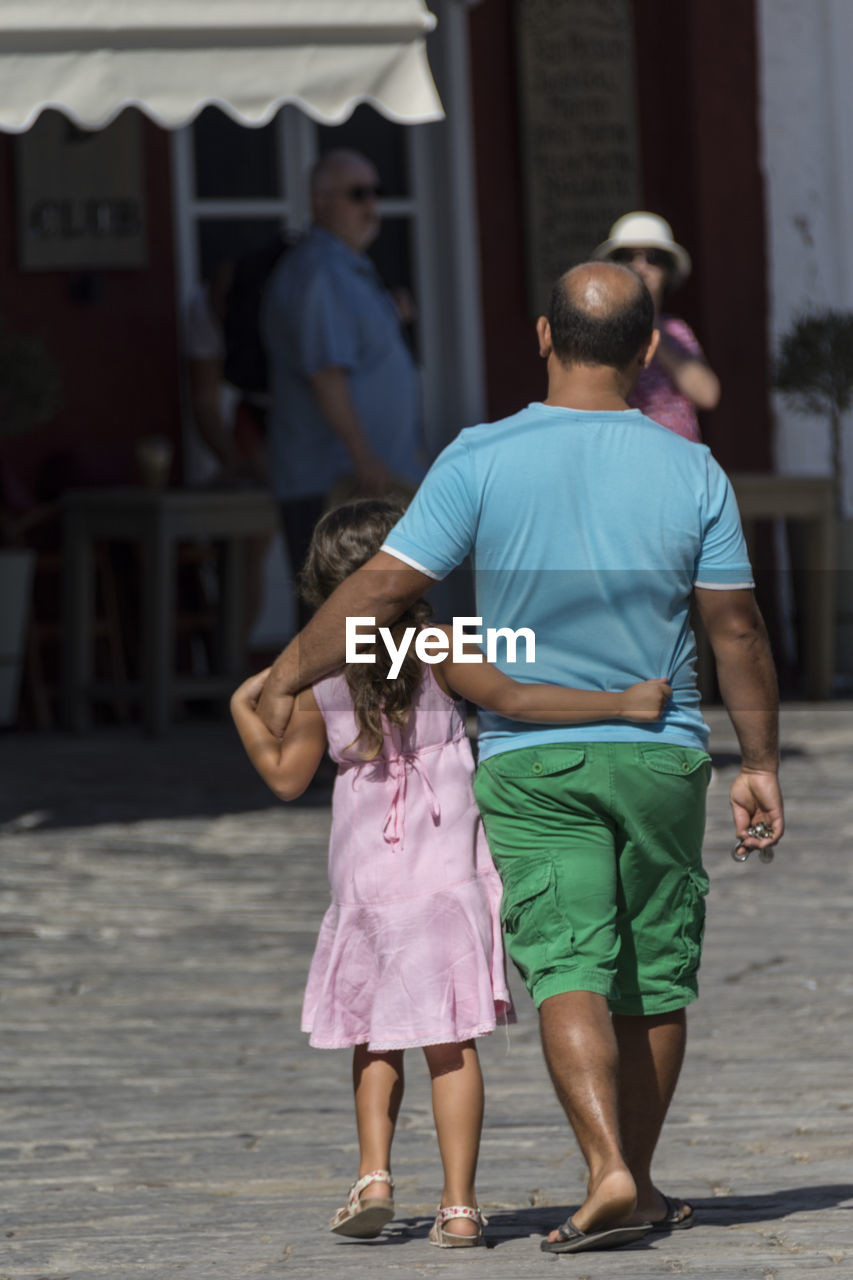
{"x":344,"y":197}
{"x":337,"y":167}
{"x":600,"y":314}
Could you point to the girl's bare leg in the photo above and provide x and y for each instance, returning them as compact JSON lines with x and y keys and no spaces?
{"x":378,"y":1087}
{"x":457,"y":1106}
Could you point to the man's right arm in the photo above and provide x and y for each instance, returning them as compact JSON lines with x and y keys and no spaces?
{"x":747,"y":680}
{"x":327,"y":348}
{"x":382,"y":589}
{"x":434,"y":535}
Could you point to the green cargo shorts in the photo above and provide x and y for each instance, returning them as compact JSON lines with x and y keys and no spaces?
{"x":599,"y":847}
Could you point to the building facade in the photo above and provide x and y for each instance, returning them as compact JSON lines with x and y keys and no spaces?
{"x":724,"y":117}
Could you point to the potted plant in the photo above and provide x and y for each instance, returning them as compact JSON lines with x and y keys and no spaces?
{"x":814,"y":369}
{"x":29,"y":387}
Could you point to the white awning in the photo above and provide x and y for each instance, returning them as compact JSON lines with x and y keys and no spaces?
{"x":171,"y":58}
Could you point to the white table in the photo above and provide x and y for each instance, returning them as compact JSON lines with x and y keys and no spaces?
{"x":810,"y":500}
{"x":157,"y":520}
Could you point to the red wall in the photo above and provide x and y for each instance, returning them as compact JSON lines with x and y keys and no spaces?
{"x":698,"y":126}
{"x":700,"y":147}
{"x":117,"y":354}
{"x":514,"y":373}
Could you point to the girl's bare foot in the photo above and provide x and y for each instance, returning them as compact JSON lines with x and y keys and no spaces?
{"x":376,"y":1190}
{"x":466,"y":1229}
{"x":460,"y":1226}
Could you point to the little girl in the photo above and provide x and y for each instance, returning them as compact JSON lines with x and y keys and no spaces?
{"x":410,"y":951}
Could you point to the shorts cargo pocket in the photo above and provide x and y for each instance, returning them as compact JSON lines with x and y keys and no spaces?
{"x":675,"y":760}
{"x":695,"y":887}
{"x":535,"y":762}
{"x":531,"y":920}
{"x":520,"y":895}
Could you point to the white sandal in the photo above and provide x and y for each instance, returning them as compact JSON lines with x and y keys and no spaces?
{"x":449,"y":1239}
{"x":365,"y":1218}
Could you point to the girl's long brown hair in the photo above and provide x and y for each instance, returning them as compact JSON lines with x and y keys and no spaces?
{"x":345,"y":539}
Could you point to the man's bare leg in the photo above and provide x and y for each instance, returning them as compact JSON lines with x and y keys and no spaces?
{"x":652,"y":1051}
{"x":582,"y":1056}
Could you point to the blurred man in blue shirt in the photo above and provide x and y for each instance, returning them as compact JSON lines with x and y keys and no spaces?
{"x":345,"y":396}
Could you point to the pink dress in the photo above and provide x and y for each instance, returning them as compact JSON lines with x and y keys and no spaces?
{"x":410,"y":952}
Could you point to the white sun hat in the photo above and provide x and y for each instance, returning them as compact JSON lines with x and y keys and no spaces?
{"x":646,"y":231}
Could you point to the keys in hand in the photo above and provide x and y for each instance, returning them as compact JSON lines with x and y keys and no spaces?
{"x":760,"y":831}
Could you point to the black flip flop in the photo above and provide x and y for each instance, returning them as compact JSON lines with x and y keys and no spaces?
{"x":672,"y":1220}
{"x":575,"y":1241}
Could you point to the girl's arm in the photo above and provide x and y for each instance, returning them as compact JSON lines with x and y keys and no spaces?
{"x":286,"y":764}
{"x":488,"y":687}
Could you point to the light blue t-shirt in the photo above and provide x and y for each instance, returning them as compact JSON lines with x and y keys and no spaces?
{"x":325,"y":306}
{"x":591,"y":529}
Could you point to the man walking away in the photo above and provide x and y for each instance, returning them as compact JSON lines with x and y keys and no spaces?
{"x":595,"y":528}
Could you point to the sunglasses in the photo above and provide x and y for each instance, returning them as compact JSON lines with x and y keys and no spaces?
{"x":654,"y":257}
{"x":359,"y":194}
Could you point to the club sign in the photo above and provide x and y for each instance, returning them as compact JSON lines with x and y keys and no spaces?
{"x":80,"y":195}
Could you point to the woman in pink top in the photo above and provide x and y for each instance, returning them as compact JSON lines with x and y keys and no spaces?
{"x":679,"y":380}
{"x":410,"y":952}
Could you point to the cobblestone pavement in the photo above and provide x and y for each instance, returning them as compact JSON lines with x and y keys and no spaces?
{"x":162,"y":1116}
